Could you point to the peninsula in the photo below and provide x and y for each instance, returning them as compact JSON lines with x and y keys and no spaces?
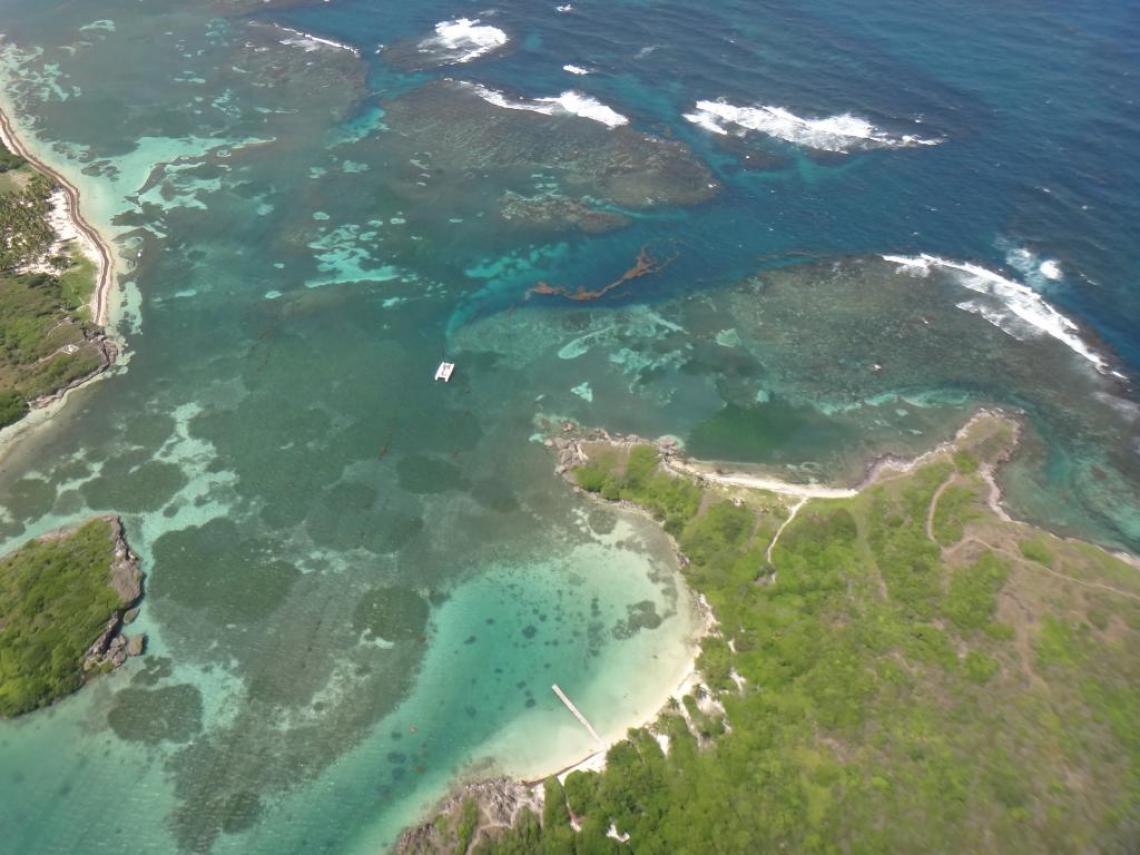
{"x":56,"y":273}
{"x":894,"y":668}
{"x":64,"y":600}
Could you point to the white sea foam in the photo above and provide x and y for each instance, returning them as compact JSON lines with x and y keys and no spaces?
{"x":842,"y":133}
{"x":1038,"y":272}
{"x":569,"y":102}
{"x":1015,"y":308}
{"x":575,"y":69}
{"x":463,"y":40}
{"x":309,"y":42}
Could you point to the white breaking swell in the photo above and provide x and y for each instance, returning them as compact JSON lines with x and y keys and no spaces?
{"x":842,"y":133}
{"x":568,"y":103}
{"x":1020,"y":311}
{"x":463,"y":40}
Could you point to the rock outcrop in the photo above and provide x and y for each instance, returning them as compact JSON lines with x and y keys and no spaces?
{"x":499,"y":802}
{"x":112,"y":647}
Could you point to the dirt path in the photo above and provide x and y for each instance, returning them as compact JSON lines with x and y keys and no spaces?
{"x":1033,"y":566}
{"x":933,"y":509}
{"x":795,"y":509}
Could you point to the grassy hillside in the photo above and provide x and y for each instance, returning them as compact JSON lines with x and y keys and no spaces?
{"x":908,"y":673}
{"x":46,"y":338}
{"x":56,"y":597}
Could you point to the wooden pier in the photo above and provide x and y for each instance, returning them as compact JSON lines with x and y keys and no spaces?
{"x":570,"y":706}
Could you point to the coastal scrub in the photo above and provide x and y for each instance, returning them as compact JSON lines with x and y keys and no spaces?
{"x":47,"y":340}
{"x":62,"y":600}
{"x":899,"y":676}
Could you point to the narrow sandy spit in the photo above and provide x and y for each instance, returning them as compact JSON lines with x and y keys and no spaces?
{"x":105,"y":260}
{"x":90,"y":238}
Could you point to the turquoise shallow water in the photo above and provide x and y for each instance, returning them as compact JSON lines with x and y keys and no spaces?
{"x":361,"y":583}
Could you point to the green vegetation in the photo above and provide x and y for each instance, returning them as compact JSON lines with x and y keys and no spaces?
{"x":9,"y":160}
{"x":980,"y":667}
{"x":966,"y":462}
{"x":13,"y":407}
{"x":1036,"y":550}
{"x":24,"y":230}
{"x":957,"y":506}
{"x":972,"y":596}
{"x":55,"y":600}
{"x":897,"y":696}
{"x":46,"y":339}
{"x":671,"y":500}
{"x":468,"y":823}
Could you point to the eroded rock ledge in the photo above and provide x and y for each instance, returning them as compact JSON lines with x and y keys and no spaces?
{"x":65,"y":598}
{"x":113,"y":646}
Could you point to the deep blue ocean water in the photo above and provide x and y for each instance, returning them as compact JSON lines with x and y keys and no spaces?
{"x":361,"y":583}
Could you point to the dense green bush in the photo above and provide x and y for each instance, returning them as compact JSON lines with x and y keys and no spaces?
{"x":9,"y":160}
{"x":672,"y":500}
{"x":13,"y":407}
{"x":41,"y":313}
{"x":972,"y":596}
{"x":1036,"y":550}
{"x":980,"y":667}
{"x":956,"y":507}
{"x":966,"y":462}
{"x":857,"y":727}
{"x":55,"y":600}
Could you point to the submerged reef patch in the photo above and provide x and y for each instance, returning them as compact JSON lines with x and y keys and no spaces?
{"x":645,"y":265}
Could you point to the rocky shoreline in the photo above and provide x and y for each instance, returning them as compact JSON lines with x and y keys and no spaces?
{"x":108,"y":351}
{"x":113,"y":646}
{"x":70,"y":225}
{"x":489,"y":804}
{"x":495,"y":803}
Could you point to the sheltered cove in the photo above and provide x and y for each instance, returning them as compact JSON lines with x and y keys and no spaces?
{"x":480,"y":813}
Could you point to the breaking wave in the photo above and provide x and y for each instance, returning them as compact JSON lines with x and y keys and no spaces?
{"x":1039,"y":273}
{"x":840,"y":134}
{"x":568,"y":103}
{"x":310,"y":42}
{"x":463,"y":40}
{"x":1014,"y":308}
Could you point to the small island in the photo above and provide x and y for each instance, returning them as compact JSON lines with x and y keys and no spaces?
{"x":64,"y":600}
{"x":54,"y":270}
{"x":897,"y":667}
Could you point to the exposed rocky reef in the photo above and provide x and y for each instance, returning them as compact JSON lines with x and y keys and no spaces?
{"x":113,"y":646}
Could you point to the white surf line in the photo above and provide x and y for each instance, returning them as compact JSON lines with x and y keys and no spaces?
{"x":570,"y":102}
{"x":303,"y":37}
{"x":466,"y":38}
{"x":841,"y":133}
{"x":1016,"y":298}
{"x":570,"y":706}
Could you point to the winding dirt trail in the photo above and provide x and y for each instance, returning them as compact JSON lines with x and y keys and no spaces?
{"x":795,"y":509}
{"x":933,"y":509}
{"x":1034,"y":567}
